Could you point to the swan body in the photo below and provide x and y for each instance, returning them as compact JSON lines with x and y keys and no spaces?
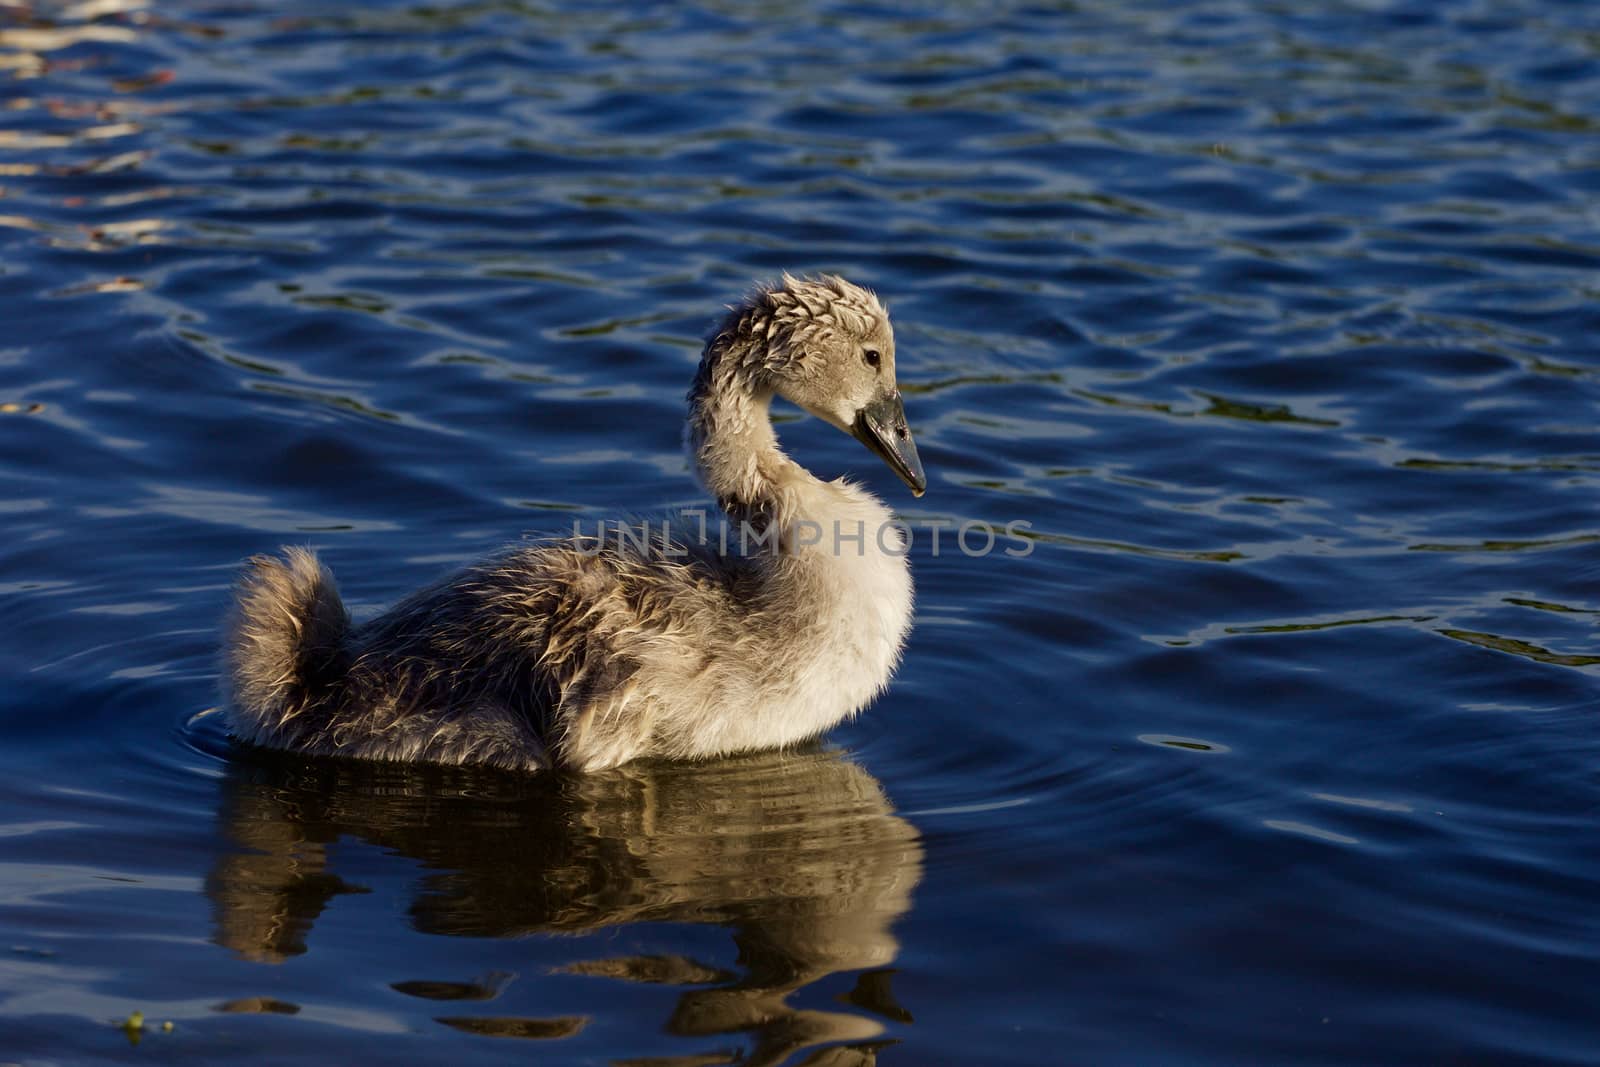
{"x":596,"y":650}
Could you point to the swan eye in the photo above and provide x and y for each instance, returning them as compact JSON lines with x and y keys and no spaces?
{"x":872,"y":357}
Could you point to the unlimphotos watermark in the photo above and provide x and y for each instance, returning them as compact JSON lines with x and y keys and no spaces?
{"x":694,"y":527}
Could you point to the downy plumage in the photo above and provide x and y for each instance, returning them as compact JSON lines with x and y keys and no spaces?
{"x":592,"y":651}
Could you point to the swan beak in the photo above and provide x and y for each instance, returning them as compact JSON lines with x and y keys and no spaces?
{"x":881,"y":426}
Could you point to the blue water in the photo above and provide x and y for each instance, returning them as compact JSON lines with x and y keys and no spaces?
{"x":1279,"y":323}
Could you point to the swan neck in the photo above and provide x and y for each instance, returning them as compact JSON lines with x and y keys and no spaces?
{"x":731,"y":441}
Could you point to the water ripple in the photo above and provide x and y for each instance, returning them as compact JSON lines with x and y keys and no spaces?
{"x":1271,"y":325}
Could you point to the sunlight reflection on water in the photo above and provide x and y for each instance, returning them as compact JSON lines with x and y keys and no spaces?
{"x":1275,"y":323}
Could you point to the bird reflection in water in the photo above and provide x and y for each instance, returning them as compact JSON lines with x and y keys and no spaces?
{"x":799,"y":854}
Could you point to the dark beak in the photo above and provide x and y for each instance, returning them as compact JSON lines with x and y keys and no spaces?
{"x":881,"y":426}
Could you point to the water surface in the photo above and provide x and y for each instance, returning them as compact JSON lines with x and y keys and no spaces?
{"x":1277,"y":324}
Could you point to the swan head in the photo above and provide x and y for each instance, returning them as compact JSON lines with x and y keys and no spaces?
{"x":825,"y":345}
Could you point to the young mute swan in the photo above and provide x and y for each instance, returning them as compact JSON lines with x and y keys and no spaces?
{"x":596,"y":650}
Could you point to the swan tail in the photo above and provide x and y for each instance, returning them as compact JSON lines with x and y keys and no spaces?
{"x":285,"y":651}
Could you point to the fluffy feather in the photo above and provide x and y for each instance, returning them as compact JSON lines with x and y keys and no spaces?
{"x":588,"y":655}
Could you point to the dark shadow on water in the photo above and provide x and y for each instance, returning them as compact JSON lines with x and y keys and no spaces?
{"x":800,"y":856}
